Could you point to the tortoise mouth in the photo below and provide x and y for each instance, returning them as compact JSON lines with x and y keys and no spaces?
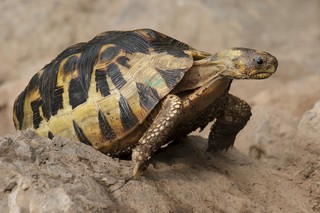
{"x":260,"y":75}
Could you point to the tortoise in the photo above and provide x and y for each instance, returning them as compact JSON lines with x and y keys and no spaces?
{"x":134,"y":91}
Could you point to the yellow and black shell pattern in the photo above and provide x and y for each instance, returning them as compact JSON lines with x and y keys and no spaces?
{"x":101,"y":90}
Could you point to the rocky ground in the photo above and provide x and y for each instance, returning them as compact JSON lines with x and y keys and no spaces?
{"x":275,"y":164}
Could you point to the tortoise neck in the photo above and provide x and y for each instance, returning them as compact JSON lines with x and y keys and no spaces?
{"x":197,"y":76}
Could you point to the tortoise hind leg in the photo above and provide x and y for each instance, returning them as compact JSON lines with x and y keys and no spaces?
{"x":157,"y":134}
{"x":234,"y":116}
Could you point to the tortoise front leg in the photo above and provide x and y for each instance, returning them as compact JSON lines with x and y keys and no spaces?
{"x":157,"y":134}
{"x":234,"y":116}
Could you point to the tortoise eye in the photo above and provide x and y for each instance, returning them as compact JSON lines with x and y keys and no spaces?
{"x":259,"y":60}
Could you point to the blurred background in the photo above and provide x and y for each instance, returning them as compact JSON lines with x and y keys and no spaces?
{"x":33,"y":32}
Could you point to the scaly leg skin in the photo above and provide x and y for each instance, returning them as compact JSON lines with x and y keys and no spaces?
{"x":157,"y":134}
{"x":234,"y":116}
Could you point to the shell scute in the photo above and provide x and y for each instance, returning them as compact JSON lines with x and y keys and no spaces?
{"x":101,"y":90}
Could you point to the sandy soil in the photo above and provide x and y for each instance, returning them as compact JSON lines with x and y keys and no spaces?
{"x":282,"y":136}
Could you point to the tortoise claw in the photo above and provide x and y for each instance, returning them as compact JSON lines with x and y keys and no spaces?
{"x":136,"y":174}
{"x":138,"y":169}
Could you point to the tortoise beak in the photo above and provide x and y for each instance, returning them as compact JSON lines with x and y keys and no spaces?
{"x":262,"y":75}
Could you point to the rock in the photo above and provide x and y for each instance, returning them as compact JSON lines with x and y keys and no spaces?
{"x":268,"y":134}
{"x":308,"y":145}
{"x":309,"y":126}
{"x":288,"y":145}
{"x":50,"y":176}
{"x":43,"y":175}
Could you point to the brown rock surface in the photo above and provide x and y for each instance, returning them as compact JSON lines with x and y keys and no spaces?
{"x":40,"y":175}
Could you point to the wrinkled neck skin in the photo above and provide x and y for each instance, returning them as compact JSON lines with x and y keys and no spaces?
{"x":200,"y":74}
{"x":201,"y":86}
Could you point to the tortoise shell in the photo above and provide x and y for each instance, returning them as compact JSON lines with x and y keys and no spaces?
{"x":103,"y":89}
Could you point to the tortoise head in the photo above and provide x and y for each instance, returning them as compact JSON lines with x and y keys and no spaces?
{"x":244,"y":63}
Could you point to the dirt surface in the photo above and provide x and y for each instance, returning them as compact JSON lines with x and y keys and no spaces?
{"x":277,"y":166}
